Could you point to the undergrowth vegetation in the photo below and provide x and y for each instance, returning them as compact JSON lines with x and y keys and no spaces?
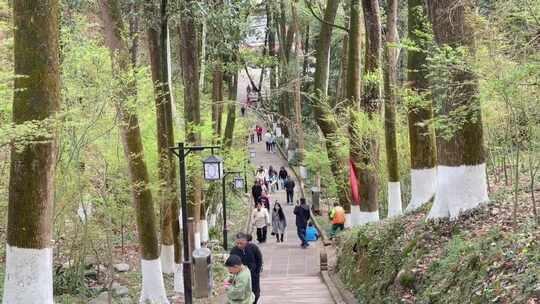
{"x":476,"y":259}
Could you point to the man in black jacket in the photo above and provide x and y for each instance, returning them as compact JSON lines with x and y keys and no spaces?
{"x":251,"y":257}
{"x":256,"y":191}
{"x":302,"y":217}
{"x":289,"y":188}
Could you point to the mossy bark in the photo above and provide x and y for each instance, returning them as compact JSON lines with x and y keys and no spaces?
{"x":189,"y":59}
{"x":129,"y":128}
{"x":157,"y":45}
{"x":297,"y":84}
{"x":228,"y":136}
{"x":217,"y":100}
{"x":364,"y":148}
{"x":321,"y":109}
{"x":421,"y":133}
{"x":36,"y":98}
{"x":390,"y":85}
{"x":451,"y":21}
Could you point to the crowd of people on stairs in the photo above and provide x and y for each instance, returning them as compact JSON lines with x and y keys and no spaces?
{"x":245,"y":262}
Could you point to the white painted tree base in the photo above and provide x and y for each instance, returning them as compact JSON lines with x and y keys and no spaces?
{"x":197,"y":240}
{"x":394,"y":199}
{"x":355,"y":215}
{"x":348,"y":223}
{"x":179,"y":278}
{"x":368,"y":217}
{"x":167,"y":259}
{"x":203,"y":225}
{"x":153,"y":288}
{"x":28,"y":276}
{"x":459,"y":189}
{"x":423,"y":187}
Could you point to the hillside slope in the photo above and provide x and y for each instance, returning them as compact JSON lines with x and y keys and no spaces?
{"x":483,"y":257}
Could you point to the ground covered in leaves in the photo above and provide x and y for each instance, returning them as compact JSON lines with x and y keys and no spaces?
{"x":483,"y":257}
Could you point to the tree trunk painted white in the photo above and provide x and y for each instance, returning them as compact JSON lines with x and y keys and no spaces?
{"x":204,"y":231}
{"x":197,"y":240}
{"x":367,"y":217}
{"x":423,"y":186}
{"x":348,"y":220}
{"x":355,"y":215}
{"x":153,"y":288}
{"x":167,"y":258}
{"x":28,"y":276}
{"x":179,"y":278}
{"x":459,"y":189}
{"x":394,"y":199}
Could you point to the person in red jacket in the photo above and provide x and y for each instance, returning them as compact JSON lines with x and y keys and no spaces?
{"x":259,"y":131}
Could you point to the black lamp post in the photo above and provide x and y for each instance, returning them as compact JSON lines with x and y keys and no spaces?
{"x":238,"y":184}
{"x":211,"y":169}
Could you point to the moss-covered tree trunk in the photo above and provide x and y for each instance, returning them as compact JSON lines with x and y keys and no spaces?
{"x":390,"y":86}
{"x":157,"y":43}
{"x":217,"y":99}
{"x":228,"y":136}
{"x":419,"y":110}
{"x":153,"y":289}
{"x":364,"y":145}
{"x":321,"y":109}
{"x":296,"y":69}
{"x":270,"y":23}
{"x":286,"y":40}
{"x":28,"y":276}
{"x":192,"y":107}
{"x":354,"y":97}
{"x":461,"y":172}
{"x":341,"y":88}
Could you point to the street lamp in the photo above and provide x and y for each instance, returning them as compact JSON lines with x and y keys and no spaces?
{"x":213,"y":168}
{"x":252,"y":153}
{"x":238,"y":184}
{"x":209,"y":167}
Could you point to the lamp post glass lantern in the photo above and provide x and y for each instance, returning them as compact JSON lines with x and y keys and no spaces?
{"x":213,"y":168}
{"x":238,"y":182}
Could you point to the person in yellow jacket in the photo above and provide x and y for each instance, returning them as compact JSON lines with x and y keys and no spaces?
{"x":337,"y":215}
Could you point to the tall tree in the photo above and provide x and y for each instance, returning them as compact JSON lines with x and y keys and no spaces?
{"x":364,"y":145}
{"x":28,"y":277}
{"x":189,"y":59}
{"x":153,"y":289}
{"x":460,"y":145}
{"x":296,"y":73}
{"x":390,"y":84}
{"x":228,"y":136}
{"x":321,"y":109}
{"x":217,"y":99}
{"x":271,"y":33}
{"x":354,"y":97}
{"x":157,"y":34}
{"x":419,"y":109}
{"x":286,"y":36}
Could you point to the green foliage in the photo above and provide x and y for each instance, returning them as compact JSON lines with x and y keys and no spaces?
{"x":381,"y":261}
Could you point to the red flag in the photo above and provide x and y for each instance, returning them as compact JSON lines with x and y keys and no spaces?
{"x":354,"y":184}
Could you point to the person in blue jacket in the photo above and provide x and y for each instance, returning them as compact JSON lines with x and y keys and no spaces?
{"x":311,"y":233}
